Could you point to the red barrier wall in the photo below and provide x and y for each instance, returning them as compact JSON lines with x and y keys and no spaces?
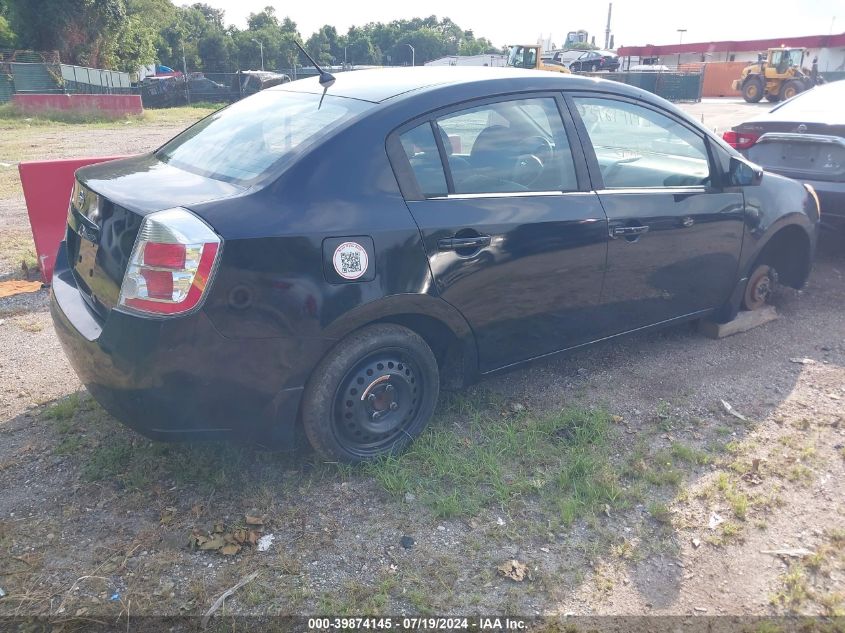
{"x":46,"y":188}
{"x":117,"y":105}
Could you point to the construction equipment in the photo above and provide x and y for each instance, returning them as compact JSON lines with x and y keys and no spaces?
{"x":777,"y":77}
{"x":531,"y":56}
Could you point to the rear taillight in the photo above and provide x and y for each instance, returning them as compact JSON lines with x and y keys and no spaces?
{"x":740,"y":140}
{"x":171,"y":264}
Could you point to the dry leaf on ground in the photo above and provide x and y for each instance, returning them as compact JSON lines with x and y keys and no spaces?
{"x":514,"y":570}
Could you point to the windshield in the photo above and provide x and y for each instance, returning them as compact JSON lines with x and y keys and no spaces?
{"x":250,"y":138}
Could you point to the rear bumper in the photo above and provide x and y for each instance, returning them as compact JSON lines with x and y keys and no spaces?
{"x":177,"y":379}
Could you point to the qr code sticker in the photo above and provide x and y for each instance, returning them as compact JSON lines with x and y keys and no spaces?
{"x":350,"y":260}
{"x":350,"y":263}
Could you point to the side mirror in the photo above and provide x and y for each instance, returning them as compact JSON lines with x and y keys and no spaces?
{"x":742,"y":173}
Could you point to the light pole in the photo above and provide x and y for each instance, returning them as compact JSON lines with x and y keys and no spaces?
{"x":185,"y":73}
{"x":413,"y":54}
{"x":261,"y":48}
{"x":344,"y":55}
{"x":680,"y":41}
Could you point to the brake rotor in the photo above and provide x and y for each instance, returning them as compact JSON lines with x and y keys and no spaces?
{"x":759,"y":288}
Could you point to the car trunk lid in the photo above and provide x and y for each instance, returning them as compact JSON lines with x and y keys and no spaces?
{"x":805,"y":149}
{"x":801,"y":155}
{"x":108,"y":204}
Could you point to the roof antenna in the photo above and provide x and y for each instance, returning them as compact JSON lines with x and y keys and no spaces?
{"x":326,"y":78}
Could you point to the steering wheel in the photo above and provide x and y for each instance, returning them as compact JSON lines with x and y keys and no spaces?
{"x":527,"y":170}
{"x":540,"y":146}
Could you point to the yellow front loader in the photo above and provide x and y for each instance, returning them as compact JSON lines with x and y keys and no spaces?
{"x":531,"y":56}
{"x":777,"y":77}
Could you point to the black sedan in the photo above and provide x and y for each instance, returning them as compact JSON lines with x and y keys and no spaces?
{"x":803,"y":138}
{"x":327,"y":258}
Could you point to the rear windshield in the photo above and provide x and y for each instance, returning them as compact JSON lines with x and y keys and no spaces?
{"x":254,"y":136}
{"x":821,"y":100}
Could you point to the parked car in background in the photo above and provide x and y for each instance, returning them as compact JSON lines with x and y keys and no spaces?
{"x":576,"y":60}
{"x":609,"y":61}
{"x":248,"y":82}
{"x":202,"y":88}
{"x":803,"y":138}
{"x":328,"y":254}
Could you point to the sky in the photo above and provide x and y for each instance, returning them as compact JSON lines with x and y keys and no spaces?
{"x":634,"y":22}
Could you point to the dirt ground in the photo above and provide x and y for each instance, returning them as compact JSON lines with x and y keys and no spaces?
{"x":666,"y":473}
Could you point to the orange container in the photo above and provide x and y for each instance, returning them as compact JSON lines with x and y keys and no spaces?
{"x":718,"y":77}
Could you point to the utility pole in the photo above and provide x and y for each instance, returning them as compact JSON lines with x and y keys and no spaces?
{"x":261,"y":48}
{"x":680,"y":41}
{"x":185,"y":73}
{"x":344,"y":56}
{"x":413,"y":54}
{"x":607,"y":30}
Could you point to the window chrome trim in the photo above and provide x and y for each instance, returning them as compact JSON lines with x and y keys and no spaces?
{"x":510,"y":194}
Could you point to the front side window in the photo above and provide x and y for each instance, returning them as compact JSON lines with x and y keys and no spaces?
{"x":250,"y":138}
{"x":638,"y":147}
{"x":508,"y":146}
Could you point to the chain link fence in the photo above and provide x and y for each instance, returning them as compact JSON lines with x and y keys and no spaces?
{"x":220,"y":88}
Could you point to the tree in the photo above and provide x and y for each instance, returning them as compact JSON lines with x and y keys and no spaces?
{"x":7,"y":36}
{"x":214,"y":17}
{"x":133,"y":46}
{"x":319,"y":47}
{"x":262,"y":19}
{"x":217,"y":52}
{"x":81,"y":30}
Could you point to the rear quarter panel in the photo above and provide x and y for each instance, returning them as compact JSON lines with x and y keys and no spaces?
{"x":271,"y":281}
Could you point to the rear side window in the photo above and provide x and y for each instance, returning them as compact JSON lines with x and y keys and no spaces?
{"x":638,"y":147}
{"x":421,"y":150}
{"x":252,"y":137}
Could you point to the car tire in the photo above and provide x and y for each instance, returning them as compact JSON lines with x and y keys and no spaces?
{"x":752,"y":90}
{"x":372,"y":394}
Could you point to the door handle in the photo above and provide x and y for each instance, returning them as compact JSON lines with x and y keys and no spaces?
{"x":627,"y":231}
{"x":463,"y":243}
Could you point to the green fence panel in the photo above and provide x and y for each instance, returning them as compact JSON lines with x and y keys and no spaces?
{"x":671,"y":86}
{"x":36,"y":78}
{"x":7,"y":87}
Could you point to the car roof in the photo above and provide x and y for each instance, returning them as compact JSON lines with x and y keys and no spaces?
{"x":445,"y":85}
{"x":379,"y":84}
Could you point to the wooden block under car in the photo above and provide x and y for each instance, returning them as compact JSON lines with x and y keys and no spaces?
{"x":743,"y":322}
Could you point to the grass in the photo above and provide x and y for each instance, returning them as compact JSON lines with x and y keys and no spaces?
{"x":562,"y":459}
{"x":11,"y":116}
{"x":25,"y":136}
{"x":137,"y":462}
{"x":660,"y":512}
{"x":65,"y":409}
{"x":358,"y":599}
{"x":17,"y":250}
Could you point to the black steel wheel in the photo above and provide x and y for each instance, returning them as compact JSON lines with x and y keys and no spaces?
{"x":372,"y":395}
